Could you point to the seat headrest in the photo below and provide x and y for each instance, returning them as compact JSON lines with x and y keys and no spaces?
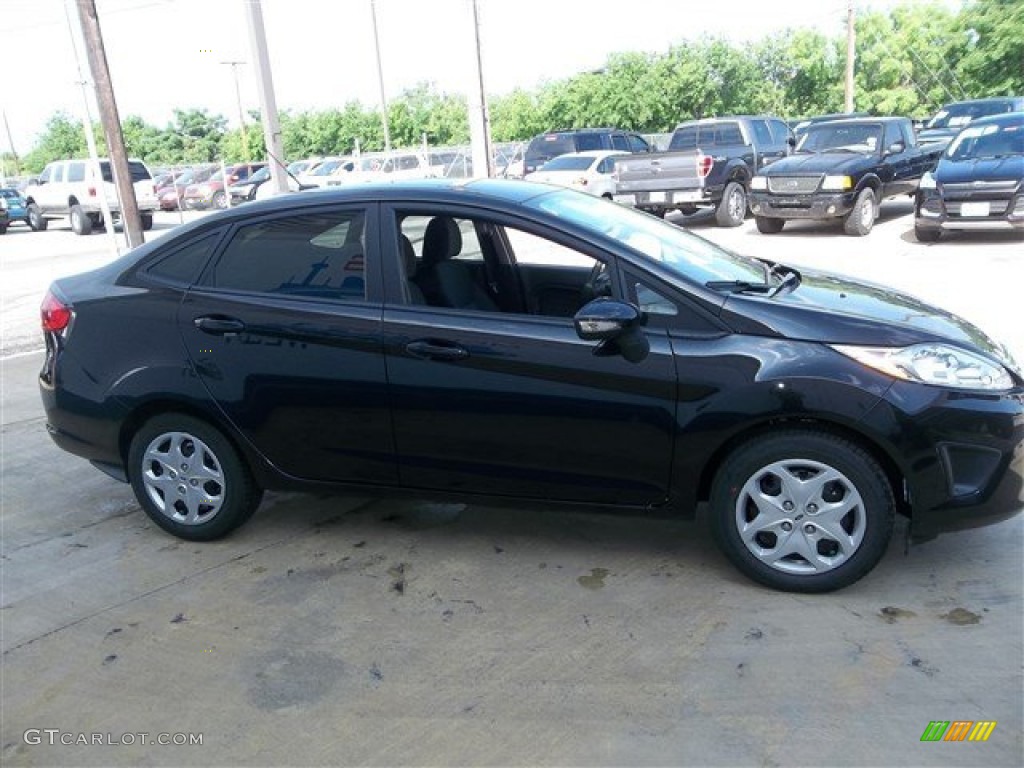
{"x":408,"y":257}
{"x":442,"y":240}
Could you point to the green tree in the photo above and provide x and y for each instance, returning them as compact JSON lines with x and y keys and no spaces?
{"x":992,"y":40}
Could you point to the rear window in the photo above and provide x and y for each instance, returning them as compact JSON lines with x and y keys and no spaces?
{"x":569,"y":163}
{"x":138,"y":171}
{"x":551,"y":145}
{"x":706,"y":135}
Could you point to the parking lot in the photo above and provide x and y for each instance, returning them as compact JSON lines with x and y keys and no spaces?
{"x":345,"y":630}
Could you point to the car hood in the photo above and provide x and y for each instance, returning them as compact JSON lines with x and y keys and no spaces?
{"x":840,"y":310}
{"x":824,"y":162}
{"x":982,"y":169}
{"x":929,"y":135}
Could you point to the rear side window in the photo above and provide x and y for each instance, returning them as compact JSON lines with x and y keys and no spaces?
{"x":76,"y":171}
{"x":728,"y":134}
{"x":317,"y":255}
{"x":138,"y":171}
{"x":184,"y":264}
{"x":588,"y":141}
{"x":637,"y":144}
{"x":619,"y":142}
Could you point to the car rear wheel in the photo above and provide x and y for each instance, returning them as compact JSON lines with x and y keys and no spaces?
{"x":861,"y":219}
{"x":36,"y":220}
{"x":802,"y":511}
{"x":190,"y":479}
{"x":81,"y":222}
{"x":147,"y":221}
{"x":768,"y":225}
{"x":733,"y":207}
{"x":925,"y":235}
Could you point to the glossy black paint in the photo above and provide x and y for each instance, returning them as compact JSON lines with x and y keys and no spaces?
{"x":385,"y":396}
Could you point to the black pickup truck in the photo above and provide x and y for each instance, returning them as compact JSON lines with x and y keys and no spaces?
{"x":841,"y":169}
{"x":709,"y":164}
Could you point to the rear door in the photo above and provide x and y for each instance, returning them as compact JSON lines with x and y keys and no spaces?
{"x":284,"y":331}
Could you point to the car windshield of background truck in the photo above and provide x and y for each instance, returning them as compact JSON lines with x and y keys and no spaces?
{"x":858,"y":137}
{"x":690,"y":256}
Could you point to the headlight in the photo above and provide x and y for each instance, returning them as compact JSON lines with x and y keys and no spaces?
{"x":837,"y":183}
{"x":927,"y":181}
{"x":759,"y":182}
{"x":940,"y":365}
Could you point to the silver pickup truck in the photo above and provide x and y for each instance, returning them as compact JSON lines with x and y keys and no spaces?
{"x":709,"y":164}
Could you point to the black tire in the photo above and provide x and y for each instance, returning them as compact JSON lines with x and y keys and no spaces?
{"x":688,"y":210}
{"x":765,"y":465}
{"x":769,"y":225}
{"x":81,"y":222}
{"x":220,"y":200}
{"x":861,"y":219}
{"x":147,"y":221}
{"x":3,"y":229}
{"x":225,"y":494}
{"x":658,"y":212}
{"x":732,"y":208}
{"x":925,"y":235}
{"x":36,"y":220}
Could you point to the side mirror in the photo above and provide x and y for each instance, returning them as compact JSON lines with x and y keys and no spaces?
{"x":791,"y":142}
{"x":605,"y":318}
{"x":896,"y":147}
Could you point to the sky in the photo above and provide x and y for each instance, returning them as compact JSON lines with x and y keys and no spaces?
{"x":165,"y":54}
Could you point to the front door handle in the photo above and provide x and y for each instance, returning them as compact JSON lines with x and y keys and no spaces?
{"x":429,"y":350}
{"x":219,"y":324}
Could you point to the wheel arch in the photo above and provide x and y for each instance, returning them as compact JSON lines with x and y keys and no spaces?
{"x":872,"y":182}
{"x":890,"y":467}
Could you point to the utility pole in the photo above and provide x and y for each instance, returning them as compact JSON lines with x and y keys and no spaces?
{"x":97,"y":55}
{"x":380,"y":78}
{"x":268,"y":104}
{"x":480,"y":124}
{"x":241,"y":113}
{"x":10,"y":142}
{"x":850,"y":48}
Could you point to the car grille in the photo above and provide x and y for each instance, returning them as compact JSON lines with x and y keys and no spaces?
{"x":793,"y":185}
{"x":980,"y":190}
{"x":995,"y":207}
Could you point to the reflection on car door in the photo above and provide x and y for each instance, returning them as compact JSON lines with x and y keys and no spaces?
{"x":494,"y":402}
{"x":284,"y":332}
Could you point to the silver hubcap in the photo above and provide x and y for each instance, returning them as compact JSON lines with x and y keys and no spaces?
{"x":800,"y":516}
{"x":183,"y":478}
{"x":736,"y":204}
{"x":867,"y":213}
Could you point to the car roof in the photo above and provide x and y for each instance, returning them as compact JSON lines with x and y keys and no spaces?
{"x":1003,"y":117}
{"x":860,"y":120}
{"x":986,"y":100}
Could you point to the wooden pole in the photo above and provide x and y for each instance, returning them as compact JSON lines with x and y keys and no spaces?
{"x":850,"y":51}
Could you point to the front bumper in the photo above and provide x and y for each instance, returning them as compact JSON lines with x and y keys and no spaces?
{"x":934,"y":211}
{"x":961,"y":454}
{"x":814,"y":206}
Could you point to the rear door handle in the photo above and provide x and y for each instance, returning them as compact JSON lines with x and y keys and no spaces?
{"x":428,"y":350}
{"x":219,"y":325}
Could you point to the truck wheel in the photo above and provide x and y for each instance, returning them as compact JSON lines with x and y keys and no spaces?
{"x":768,"y":225}
{"x":861,"y":219}
{"x":147,"y":221}
{"x":925,"y":235}
{"x":81,"y":222}
{"x":688,"y":210}
{"x":733,"y":207}
{"x":36,"y":220}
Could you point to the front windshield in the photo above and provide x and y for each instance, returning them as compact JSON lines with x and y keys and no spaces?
{"x":261,"y":175}
{"x":326,"y":168}
{"x":841,"y":137}
{"x":216,"y":177}
{"x":686,"y":254}
{"x":959,"y":115}
{"x":987,"y":141}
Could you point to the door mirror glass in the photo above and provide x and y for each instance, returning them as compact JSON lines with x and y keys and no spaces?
{"x":605,"y":318}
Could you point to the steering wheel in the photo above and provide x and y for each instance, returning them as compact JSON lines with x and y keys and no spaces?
{"x":599,"y":282}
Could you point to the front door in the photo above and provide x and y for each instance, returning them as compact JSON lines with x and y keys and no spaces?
{"x":492,"y":391}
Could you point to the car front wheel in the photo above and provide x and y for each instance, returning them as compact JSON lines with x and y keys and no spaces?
{"x":802,"y":511}
{"x":190,"y":479}
{"x":861,"y":219}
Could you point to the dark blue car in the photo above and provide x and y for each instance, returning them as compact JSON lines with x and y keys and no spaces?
{"x":978,"y":182}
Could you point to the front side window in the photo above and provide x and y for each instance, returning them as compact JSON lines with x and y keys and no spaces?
{"x":762,"y":132}
{"x":316,"y":255}
{"x":637,"y":144}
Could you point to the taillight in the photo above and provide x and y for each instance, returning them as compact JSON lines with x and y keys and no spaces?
{"x":582,"y":181}
{"x":92,"y":191}
{"x":704,"y":165}
{"x":55,"y":315}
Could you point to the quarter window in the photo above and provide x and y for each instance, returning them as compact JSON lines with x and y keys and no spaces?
{"x":318,"y":255}
{"x":184,"y":264}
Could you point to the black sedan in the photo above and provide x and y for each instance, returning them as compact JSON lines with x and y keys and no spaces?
{"x":510,"y":342}
{"x":978,"y":182}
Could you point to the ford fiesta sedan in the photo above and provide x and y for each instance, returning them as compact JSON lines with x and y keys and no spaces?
{"x":506,"y":341}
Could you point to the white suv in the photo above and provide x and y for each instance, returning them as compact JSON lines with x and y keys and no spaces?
{"x":72,"y":187}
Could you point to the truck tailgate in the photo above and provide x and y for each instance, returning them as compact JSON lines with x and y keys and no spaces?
{"x":658,"y":172}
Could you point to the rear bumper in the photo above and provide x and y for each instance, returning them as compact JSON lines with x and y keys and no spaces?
{"x":670,"y":199}
{"x":816,"y":206}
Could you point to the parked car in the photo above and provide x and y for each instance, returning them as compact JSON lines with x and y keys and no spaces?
{"x":978,"y":182}
{"x":709,"y":164}
{"x":245,"y":191}
{"x":841,"y":169}
{"x":15,"y":204}
{"x":5,"y":218}
{"x":212,"y":192}
{"x":328,"y":168}
{"x":507,"y":341}
{"x":172,"y":196}
{"x":952,"y":118}
{"x":589,"y":172}
{"x":71,"y":188}
{"x":550,"y":145}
